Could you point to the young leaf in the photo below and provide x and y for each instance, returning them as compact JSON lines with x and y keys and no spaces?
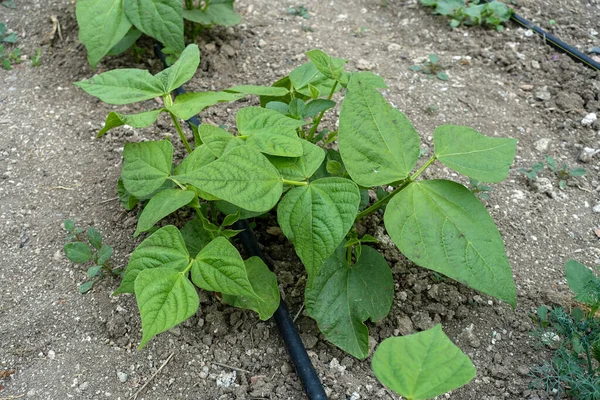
{"x":342,"y":297}
{"x":422,"y":365}
{"x":102,"y":24}
{"x":316,"y":106}
{"x":182,"y":71}
{"x":582,"y":282}
{"x":123,"y":86}
{"x":160,"y":19}
{"x":93,"y":271}
{"x":577,"y":172}
{"x":94,"y":237}
{"x":243,"y":177}
{"x":85,"y":287}
{"x":333,"y":68}
{"x":378,"y":143}
{"x":218,"y":267}
{"x":442,"y":76}
{"x":300,"y":168}
{"x":104,"y":254}
{"x":78,"y":252}
{"x":218,"y":140}
{"x":441,"y":225}
{"x":467,"y":151}
{"x":146,"y":166}
{"x":316,"y":217}
{"x":165,"y":298}
{"x":197,"y":159}
{"x":276,"y":141}
{"x":434,"y":59}
{"x":164,"y":248}
{"x":307,"y":75}
{"x":259,"y":90}
{"x":140,"y":120}
{"x":195,"y":236}
{"x":551,"y":163}
{"x":189,"y":104}
{"x":264,"y":283}
{"x":69,"y":225}
{"x":162,"y":204}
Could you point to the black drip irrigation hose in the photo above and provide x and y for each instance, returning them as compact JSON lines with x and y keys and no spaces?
{"x":554,"y":41}
{"x":291,"y":338}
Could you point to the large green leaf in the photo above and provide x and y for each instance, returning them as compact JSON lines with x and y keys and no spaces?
{"x":218,"y":140}
{"x":126,"y":42}
{"x":102,"y":24}
{"x":250,"y":120}
{"x":160,"y":19}
{"x":123,"y":86}
{"x":342,"y":297}
{"x":140,"y":120}
{"x":182,"y":70}
{"x":243,"y":177}
{"x":276,"y":141}
{"x":316,"y":217}
{"x":441,"y":225}
{"x":197,"y":159}
{"x":195,"y":236}
{"x":189,"y":104}
{"x":423,"y":365}
{"x":582,"y":282}
{"x":146,"y":166}
{"x":165,"y":298}
{"x":259,"y":90}
{"x":377,"y":142}
{"x":164,"y":248}
{"x":218,"y":267}
{"x":303,"y":167}
{"x":480,"y":157}
{"x":264,"y":283}
{"x":162,"y":204}
{"x":333,"y":68}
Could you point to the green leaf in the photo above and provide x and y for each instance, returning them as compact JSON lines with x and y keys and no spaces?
{"x":198,"y":16}
{"x":182,"y":71}
{"x":140,"y":120}
{"x":300,"y":168}
{"x":9,"y":3}
{"x":308,"y":75}
{"x":434,"y":59}
{"x":441,"y":225}
{"x":85,"y":287}
{"x":333,"y":68}
{"x":377,"y":142}
{"x":480,"y":157}
{"x":127,"y":200}
{"x":93,"y":271}
{"x":316,"y":106}
{"x":442,"y":76}
{"x":582,"y":282}
{"x":195,"y":236}
{"x":218,"y":140}
{"x":577,"y":172}
{"x":160,"y":19}
{"x":219,"y":12}
{"x":94,"y":237}
{"x":228,"y":208}
{"x":259,"y":90}
{"x":251,"y":120}
{"x":146,"y":166}
{"x":102,"y":24}
{"x":78,"y":252}
{"x":69,"y":225}
{"x":164,"y":248}
{"x":276,"y":141}
{"x":165,"y":298}
{"x":342,"y":297}
{"x":264,"y":283}
{"x":197,"y":159}
{"x":422,"y":365}
{"x":123,"y":86}
{"x":317,"y":217}
{"x":243,"y":177}
{"x":126,"y":42}
{"x":231,"y":219}
{"x":160,"y":205}
{"x":190,"y":104}
{"x":218,"y":267}
{"x":104,"y":254}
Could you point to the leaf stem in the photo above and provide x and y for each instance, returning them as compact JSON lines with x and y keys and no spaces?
{"x":180,"y":132}
{"x":182,"y":187}
{"x":423,"y":168}
{"x":187,"y":268}
{"x":294,"y":183}
{"x":317,"y":121}
{"x":380,"y":203}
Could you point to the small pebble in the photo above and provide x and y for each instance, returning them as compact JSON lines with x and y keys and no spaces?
{"x":122,"y":376}
{"x":589,"y":119}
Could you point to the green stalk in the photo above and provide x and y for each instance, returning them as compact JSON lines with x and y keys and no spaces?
{"x":180,"y":132}
{"x":423,"y":168}
{"x":189,"y":4}
{"x":182,"y":187}
{"x":206,"y":5}
{"x":380,"y":203}
{"x":294,"y":183}
{"x":187,"y":268}
{"x":316,"y":123}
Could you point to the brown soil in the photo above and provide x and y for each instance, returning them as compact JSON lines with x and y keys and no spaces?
{"x":62,"y":345}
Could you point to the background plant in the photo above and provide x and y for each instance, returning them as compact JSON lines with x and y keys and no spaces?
{"x":87,"y":248}
{"x":575,"y":338}
{"x":472,"y":12}
{"x":432,"y":67}
{"x":113,"y":26}
{"x":8,"y":57}
{"x":561,"y":174}
{"x":280,"y":157}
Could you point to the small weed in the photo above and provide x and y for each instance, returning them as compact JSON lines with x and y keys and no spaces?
{"x":575,"y":338}
{"x":299,"y":11}
{"x":361,"y":31}
{"x":9,"y":3}
{"x":492,"y":14}
{"x":562,"y":174}
{"x":432,"y":67}
{"x":78,"y":250}
{"x":8,"y":58}
{"x":36,"y":59}
{"x":479,"y":189}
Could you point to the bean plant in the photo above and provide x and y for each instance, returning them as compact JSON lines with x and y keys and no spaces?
{"x":280,"y":160}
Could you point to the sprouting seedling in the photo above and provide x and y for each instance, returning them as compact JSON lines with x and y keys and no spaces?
{"x":36,"y":59}
{"x":532,"y":172}
{"x":82,"y":248}
{"x":480,"y":189}
{"x":299,"y":11}
{"x":563,"y":173}
{"x":432,"y":67}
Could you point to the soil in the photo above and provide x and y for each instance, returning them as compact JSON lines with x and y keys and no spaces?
{"x":58,"y":344}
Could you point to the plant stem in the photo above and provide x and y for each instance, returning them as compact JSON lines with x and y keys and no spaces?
{"x":294,"y":183}
{"x":182,"y":187}
{"x":187,"y":268}
{"x":189,"y":4}
{"x":180,"y":132}
{"x":423,"y":168}
{"x":316,"y":123}
{"x":206,"y":5}
{"x":380,"y":203}
{"x":349,"y":255}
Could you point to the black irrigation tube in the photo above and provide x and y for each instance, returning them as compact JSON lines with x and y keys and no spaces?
{"x":291,"y":338}
{"x":554,"y":41}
